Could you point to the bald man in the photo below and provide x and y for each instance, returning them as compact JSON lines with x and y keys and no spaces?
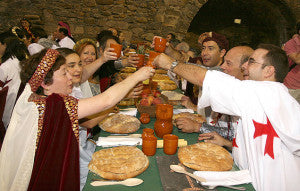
{"x":270,"y":125}
{"x":232,"y":65}
{"x":233,"y":61}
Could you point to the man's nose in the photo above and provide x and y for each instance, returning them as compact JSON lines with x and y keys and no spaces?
{"x":244,"y":65}
{"x":223,"y":66}
{"x":204,"y":51}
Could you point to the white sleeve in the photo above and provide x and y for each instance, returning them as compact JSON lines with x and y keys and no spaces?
{"x":222,"y":93}
{"x":34,"y":48}
{"x":4,"y":70}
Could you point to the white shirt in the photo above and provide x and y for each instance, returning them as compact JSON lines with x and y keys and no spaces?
{"x":10,"y":71}
{"x":261,"y":102}
{"x":86,"y":148}
{"x":66,"y":43}
{"x":34,"y":48}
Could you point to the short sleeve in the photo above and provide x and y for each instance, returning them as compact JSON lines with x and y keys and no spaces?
{"x":290,"y":47}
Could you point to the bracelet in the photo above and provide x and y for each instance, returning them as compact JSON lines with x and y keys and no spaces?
{"x":174,"y":64}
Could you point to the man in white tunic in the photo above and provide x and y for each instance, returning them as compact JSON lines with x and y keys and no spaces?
{"x":269,"y":114}
{"x":232,"y":65}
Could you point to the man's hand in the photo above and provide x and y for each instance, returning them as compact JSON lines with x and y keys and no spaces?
{"x":109,"y":54}
{"x":142,"y":74}
{"x":131,"y":60}
{"x":187,"y":125}
{"x":186,"y":102}
{"x":163,"y":61}
{"x":215,"y":138}
{"x":136,"y":91}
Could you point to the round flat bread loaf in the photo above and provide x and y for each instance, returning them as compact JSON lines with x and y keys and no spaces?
{"x":160,"y":77}
{"x":195,"y":117}
{"x":119,"y":123}
{"x":126,"y":102}
{"x":161,"y":71}
{"x":119,"y":163}
{"x":166,"y":84}
{"x":172,"y":95}
{"x":128,"y":70}
{"x":205,"y":157}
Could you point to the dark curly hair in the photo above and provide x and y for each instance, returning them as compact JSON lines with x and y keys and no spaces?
{"x":104,"y":40}
{"x":29,"y":66}
{"x":14,"y":48}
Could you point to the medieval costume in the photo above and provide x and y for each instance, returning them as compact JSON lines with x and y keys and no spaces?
{"x":270,"y":127}
{"x":40,"y":150}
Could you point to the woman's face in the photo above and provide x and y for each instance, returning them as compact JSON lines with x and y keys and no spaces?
{"x":74,"y":67}
{"x":88,"y":54}
{"x":62,"y":82}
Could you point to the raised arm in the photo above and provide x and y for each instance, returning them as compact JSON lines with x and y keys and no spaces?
{"x":295,"y":57}
{"x":90,"y":69}
{"x":113,"y":95}
{"x":172,"y":52}
{"x":292,"y":49}
{"x":191,"y":73}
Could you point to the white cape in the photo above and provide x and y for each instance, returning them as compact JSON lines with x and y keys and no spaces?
{"x":18,"y":149}
{"x":253,"y":100}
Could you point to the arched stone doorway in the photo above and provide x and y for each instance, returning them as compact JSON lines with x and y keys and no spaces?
{"x":264,"y":21}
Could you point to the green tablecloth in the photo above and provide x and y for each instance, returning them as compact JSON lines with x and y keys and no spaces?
{"x":151,"y":176}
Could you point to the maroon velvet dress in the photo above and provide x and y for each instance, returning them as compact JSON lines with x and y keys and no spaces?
{"x":56,"y":163}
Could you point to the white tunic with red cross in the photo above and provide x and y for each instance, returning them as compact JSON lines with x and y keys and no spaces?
{"x":270,"y":128}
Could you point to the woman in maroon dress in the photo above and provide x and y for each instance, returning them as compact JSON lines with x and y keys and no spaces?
{"x":40,"y":150}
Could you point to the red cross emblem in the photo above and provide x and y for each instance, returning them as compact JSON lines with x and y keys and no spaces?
{"x":234,"y":143}
{"x":266,"y":129}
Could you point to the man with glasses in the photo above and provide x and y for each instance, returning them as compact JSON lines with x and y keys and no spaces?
{"x":269,"y":115}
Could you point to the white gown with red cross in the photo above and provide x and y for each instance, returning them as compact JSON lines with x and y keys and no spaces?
{"x":270,"y":127}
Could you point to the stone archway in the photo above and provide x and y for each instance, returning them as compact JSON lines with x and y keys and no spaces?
{"x":264,"y":21}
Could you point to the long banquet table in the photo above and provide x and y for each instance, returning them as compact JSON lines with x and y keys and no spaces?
{"x":151,"y":177}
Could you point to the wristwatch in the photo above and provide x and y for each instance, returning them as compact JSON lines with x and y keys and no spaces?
{"x":173,"y":65}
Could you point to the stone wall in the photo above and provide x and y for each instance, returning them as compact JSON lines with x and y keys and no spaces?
{"x":295,"y":7}
{"x":138,"y":19}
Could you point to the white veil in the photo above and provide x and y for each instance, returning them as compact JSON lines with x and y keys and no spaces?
{"x":19,"y":146}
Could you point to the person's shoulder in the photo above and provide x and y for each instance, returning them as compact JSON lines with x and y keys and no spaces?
{"x":290,"y":42}
{"x":11,"y":62}
{"x":56,"y":98}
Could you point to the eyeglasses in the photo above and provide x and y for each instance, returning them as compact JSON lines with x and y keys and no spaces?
{"x":251,"y":61}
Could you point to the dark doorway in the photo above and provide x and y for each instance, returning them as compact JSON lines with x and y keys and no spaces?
{"x":262,"y":21}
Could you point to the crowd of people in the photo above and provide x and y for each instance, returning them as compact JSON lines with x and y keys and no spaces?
{"x":250,"y":98}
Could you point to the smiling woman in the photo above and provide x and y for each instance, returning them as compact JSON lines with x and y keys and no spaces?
{"x":81,"y":90}
{"x":87,"y":51}
{"x":44,"y":125}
